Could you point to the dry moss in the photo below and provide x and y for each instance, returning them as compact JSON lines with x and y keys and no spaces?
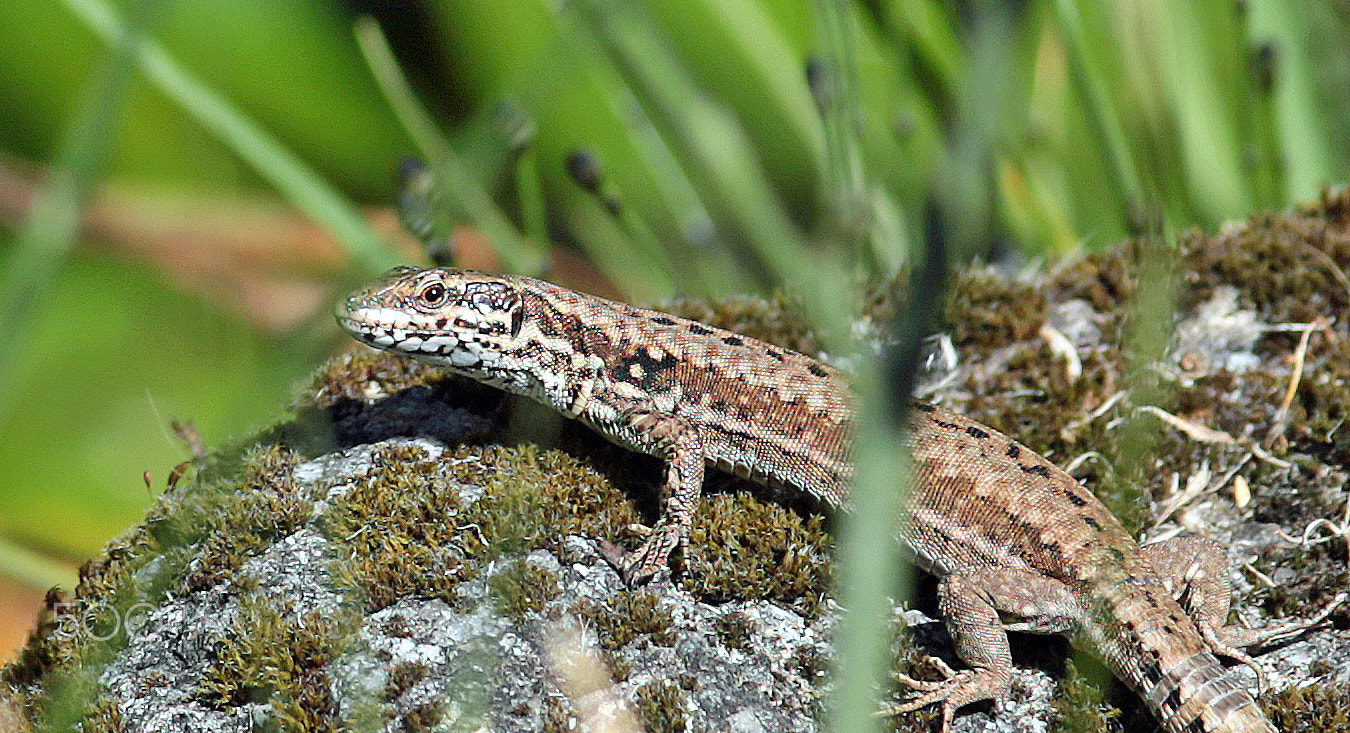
{"x":810,"y":663}
{"x":238,"y":502}
{"x":626,"y":617}
{"x":741,"y":548}
{"x":423,"y":717}
{"x":542,"y":497}
{"x":269,"y":658}
{"x":989,"y":310}
{"x":1311,"y":709}
{"x":367,"y":396}
{"x":523,"y":587}
{"x":402,"y":678}
{"x":777,"y":320}
{"x":1079,"y":705}
{"x":231,"y":511}
{"x":12,"y":715}
{"x":558,"y":717}
{"x":397,"y":525}
{"x":362,"y":375}
{"x":409,"y":534}
{"x":736,"y":630}
{"x":660,"y":706}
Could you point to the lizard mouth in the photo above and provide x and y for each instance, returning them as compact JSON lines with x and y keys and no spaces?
{"x":438,"y":346}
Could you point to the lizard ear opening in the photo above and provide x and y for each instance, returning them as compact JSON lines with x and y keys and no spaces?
{"x":517,"y":319}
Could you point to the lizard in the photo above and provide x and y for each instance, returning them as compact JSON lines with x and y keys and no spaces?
{"x":1017,"y":543}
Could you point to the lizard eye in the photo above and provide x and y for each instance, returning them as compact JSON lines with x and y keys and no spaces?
{"x":433,"y":294}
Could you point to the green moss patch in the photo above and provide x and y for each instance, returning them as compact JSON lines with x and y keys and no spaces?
{"x":660,"y":707}
{"x":283,"y":662}
{"x":741,"y":548}
{"x":625,"y":617}
{"x":409,"y":533}
{"x":1311,"y":709}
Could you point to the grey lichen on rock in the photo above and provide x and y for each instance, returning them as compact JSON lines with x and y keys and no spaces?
{"x":410,"y":553}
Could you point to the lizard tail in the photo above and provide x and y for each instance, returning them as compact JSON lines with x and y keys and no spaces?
{"x":1196,"y":694}
{"x":1155,"y":647}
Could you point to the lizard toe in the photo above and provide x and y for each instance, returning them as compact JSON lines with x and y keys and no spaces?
{"x":958,"y":689}
{"x":936,"y":663}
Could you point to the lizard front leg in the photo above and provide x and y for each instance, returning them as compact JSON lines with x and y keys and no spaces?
{"x":677,"y":441}
{"x":980,"y":606}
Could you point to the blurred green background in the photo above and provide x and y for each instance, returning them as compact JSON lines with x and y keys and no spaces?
{"x":186,"y":187}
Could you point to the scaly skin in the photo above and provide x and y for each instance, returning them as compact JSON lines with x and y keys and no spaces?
{"x":1018,"y":543}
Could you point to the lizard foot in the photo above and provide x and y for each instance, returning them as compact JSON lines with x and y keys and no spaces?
{"x":925,"y":685}
{"x":1290,"y":629}
{"x":643,"y":564}
{"x":1225,"y":641}
{"x":951,"y":692}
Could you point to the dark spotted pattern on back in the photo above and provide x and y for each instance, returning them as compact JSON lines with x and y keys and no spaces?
{"x":647,"y":368}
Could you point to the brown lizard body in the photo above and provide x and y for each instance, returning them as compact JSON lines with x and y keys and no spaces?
{"x":1018,"y":543}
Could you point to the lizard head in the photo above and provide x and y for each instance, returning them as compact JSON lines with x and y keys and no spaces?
{"x":454,"y":318}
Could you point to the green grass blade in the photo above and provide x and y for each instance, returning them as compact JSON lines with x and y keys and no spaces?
{"x":36,"y":570}
{"x":1307,"y":136}
{"x":296,"y":181}
{"x":1101,"y":113}
{"x":457,"y":181}
{"x":45,"y":240}
{"x":836,"y":85}
{"x":1201,"y":98}
{"x":723,"y":168}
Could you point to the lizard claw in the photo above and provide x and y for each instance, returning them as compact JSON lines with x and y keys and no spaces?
{"x":942,"y":667}
{"x":615,"y":556}
{"x":640,"y":530}
{"x":641,"y":565}
{"x":929,"y":691}
{"x":626,"y":564}
{"x":954,"y":690}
